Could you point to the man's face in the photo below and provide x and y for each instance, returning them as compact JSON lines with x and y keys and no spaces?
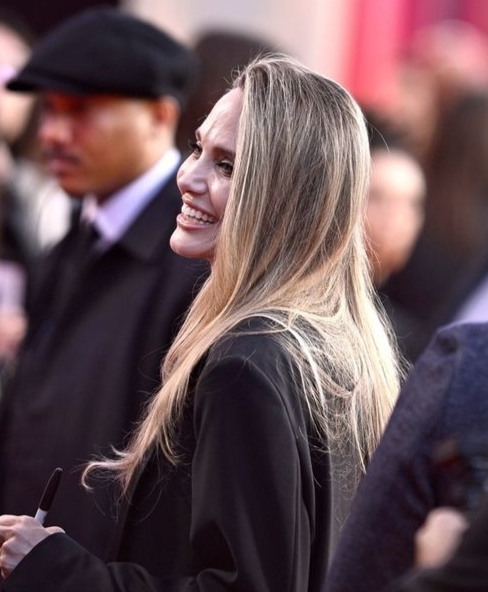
{"x":15,"y":107}
{"x":96,"y":143}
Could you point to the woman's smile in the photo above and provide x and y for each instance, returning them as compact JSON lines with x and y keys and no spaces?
{"x":195,"y":215}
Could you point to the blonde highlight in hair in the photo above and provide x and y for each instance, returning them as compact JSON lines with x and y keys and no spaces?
{"x":291,"y":250}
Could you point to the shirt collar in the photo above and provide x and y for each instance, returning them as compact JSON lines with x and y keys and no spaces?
{"x":114,"y":216}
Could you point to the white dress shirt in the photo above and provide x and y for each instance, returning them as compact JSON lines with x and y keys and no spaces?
{"x":475,"y":307}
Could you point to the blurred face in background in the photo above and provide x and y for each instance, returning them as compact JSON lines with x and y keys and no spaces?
{"x":395,"y":211}
{"x":99,"y":143}
{"x":15,"y":107}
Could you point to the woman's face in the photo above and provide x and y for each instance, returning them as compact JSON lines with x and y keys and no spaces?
{"x":204,"y":180}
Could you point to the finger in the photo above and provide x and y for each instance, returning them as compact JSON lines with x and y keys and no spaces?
{"x":9,"y":525}
{"x":6,"y":532}
{"x":7,"y":564}
{"x":54,"y":529}
{"x":26,"y":533}
{"x":8,"y":519}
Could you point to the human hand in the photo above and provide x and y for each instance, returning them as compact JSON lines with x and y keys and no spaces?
{"x":439,"y":537}
{"x":18,"y":536}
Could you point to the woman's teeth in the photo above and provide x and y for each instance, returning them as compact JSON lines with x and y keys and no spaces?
{"x":197,"y":215}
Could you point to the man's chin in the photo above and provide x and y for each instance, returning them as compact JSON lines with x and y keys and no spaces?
{"x":74,"y":192}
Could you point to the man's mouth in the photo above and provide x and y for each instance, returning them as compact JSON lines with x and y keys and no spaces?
{"x":57,"y":156}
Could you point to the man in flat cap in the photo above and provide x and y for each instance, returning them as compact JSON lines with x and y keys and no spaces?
{"x":104,"y":303}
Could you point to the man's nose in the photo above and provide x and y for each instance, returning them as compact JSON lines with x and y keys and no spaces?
{"x":54,"y":129}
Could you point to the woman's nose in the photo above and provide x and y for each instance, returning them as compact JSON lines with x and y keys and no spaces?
{"x":191,"y":176}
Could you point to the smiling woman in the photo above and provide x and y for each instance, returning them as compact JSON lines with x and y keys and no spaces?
{"x":204,"y":179}
{"x":277,"y":387}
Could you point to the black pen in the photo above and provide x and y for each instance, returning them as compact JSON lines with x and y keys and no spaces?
{"x":48,"y":495}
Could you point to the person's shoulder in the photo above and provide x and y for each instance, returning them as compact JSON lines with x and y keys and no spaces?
{"x":460,"y":348}
{"x":253,"y":339}
{"x":445,"y":388}
{"x":457,"y":336}
{"x":454,"y":346}
{"x":249,"y":368}
{"x":465,"y":347}
{"x":253,"y":347}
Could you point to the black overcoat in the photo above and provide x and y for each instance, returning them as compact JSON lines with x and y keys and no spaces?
{"x":89,"y":362}
{"x":253,"y":506}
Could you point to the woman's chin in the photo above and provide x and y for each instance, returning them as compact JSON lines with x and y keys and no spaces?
{"x":189,"y":248}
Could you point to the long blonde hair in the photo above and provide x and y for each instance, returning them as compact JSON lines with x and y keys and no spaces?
{"x":290,"y":249}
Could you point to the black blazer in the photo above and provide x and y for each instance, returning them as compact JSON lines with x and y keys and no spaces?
{"x":252,"y":505}
{"x":88,"y":365}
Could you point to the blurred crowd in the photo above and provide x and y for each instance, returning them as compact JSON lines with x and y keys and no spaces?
{"x":438,"y":113}
{"x":34,"y":211}
{"x":427,"y":212}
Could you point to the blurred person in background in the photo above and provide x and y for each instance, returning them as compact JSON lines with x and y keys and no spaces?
{"x":433,"y":453}
{"x":459,"y":209}
{"x":101,"y":315}
{"x":394,"y":219}
{"x":34,"y":212}
{"x":451,"y":257}
{"x":449,"y":61}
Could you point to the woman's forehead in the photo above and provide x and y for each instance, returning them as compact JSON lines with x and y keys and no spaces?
{"x":222,"y":122}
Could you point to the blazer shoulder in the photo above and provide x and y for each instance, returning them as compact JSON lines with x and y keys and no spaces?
{"x":254,"y":340}
{"x":456,"y":336}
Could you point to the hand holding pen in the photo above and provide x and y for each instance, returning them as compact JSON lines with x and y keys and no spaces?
{"x":20,"y":534}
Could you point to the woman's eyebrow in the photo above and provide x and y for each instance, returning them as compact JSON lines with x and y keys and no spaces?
{"x":221,"y":151}
{"x":216,"y":149}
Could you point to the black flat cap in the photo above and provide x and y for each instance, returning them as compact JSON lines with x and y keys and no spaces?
{"x":106,"y":51}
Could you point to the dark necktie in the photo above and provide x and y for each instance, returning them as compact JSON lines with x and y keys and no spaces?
{"x":82,"y":250}
{"x":83,"y":245}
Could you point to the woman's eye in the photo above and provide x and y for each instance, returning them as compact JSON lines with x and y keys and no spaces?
{"x":195,"y":148}
{"x":226,"y":167}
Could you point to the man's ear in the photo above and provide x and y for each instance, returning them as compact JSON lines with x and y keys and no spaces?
{"x":167,"y":111}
